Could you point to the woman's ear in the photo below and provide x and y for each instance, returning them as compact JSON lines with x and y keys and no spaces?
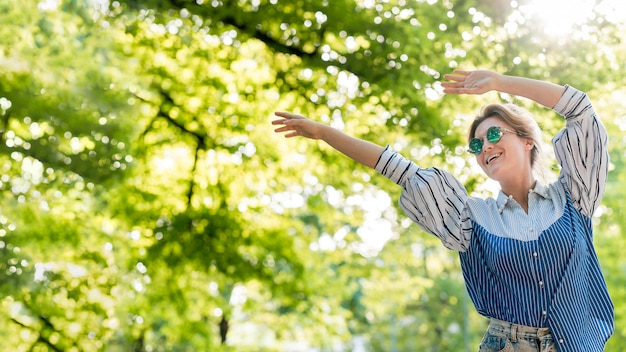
{"x":530,"y":144}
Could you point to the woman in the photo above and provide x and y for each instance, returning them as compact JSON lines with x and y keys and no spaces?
{"x":527,"y":256}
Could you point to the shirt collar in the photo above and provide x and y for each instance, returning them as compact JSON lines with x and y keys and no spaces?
{"x":504,"y":199}
{"x":541,"y":190}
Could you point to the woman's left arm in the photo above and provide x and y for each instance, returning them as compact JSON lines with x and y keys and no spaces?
{"x":581,"y":149}
{"x":482,"y":81}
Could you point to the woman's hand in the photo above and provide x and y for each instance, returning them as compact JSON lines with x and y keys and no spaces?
{"x":471,"y":82}
{"x":297,"y":125}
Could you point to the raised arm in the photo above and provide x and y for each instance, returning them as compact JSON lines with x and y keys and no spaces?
{"x":361,"y":151}
{"x":482,"y":81}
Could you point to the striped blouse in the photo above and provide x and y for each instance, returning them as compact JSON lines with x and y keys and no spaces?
{"x":538,"y":268}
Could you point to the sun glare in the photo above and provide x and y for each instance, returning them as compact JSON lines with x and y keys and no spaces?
{"x":558,"y":17}
{"x":567,"y":17}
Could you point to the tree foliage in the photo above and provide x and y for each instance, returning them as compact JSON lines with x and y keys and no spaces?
{"x":148,"y":206}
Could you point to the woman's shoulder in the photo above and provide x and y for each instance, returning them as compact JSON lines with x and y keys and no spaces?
{"x":481,"y":205}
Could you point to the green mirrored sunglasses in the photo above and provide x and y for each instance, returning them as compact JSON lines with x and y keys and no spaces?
{"x":494,"y":134}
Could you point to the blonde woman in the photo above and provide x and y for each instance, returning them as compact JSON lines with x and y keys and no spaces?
{"x":527,"y":255}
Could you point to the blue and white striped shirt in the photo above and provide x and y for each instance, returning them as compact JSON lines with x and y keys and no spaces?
{"x":538,"y":268}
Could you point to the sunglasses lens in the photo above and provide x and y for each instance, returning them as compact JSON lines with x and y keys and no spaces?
{"x":494,"y":134}
{"x":475,"y":145}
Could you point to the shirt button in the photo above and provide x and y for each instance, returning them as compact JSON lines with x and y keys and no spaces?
{"x":530,"y":229}
{"x":535,"y":254}
{"x":540,"y":283}
{"x":544,"y":312}
{"x":561,"y":341}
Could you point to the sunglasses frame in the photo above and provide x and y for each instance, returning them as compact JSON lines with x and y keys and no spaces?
{"x":494,"y":135}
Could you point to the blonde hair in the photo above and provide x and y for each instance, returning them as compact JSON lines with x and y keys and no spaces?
{"x":523,"y":122}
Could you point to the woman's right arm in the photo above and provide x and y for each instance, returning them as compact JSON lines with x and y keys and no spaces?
{"x":432,"y":198}
{"x":361,"y":151}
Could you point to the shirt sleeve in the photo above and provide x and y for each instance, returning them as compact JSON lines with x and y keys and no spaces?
{"x":581,"y":150}
{"x":432,"y":198}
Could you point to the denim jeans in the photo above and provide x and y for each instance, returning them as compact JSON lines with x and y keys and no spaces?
{"x":506,"y":337}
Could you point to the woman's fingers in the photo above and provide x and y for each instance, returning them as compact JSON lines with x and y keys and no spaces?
{"x":279,"y":122}
{"x":454,"y":78}
{"x":286,"y":126}
{"x":455,"y":84}
{"x":287,"y":115}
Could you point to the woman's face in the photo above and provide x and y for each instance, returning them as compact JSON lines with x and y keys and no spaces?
{"x":507,"y":158}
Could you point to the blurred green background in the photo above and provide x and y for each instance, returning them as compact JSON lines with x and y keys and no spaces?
{"x":147,"y":205}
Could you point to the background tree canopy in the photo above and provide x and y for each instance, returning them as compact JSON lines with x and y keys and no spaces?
{"x":148,"y":206}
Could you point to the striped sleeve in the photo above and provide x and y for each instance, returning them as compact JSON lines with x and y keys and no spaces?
{"x":581,"y":150}
{"x":432,"y":198}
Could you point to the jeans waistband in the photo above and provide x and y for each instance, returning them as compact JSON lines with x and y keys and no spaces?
{"x":516,"y":331}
